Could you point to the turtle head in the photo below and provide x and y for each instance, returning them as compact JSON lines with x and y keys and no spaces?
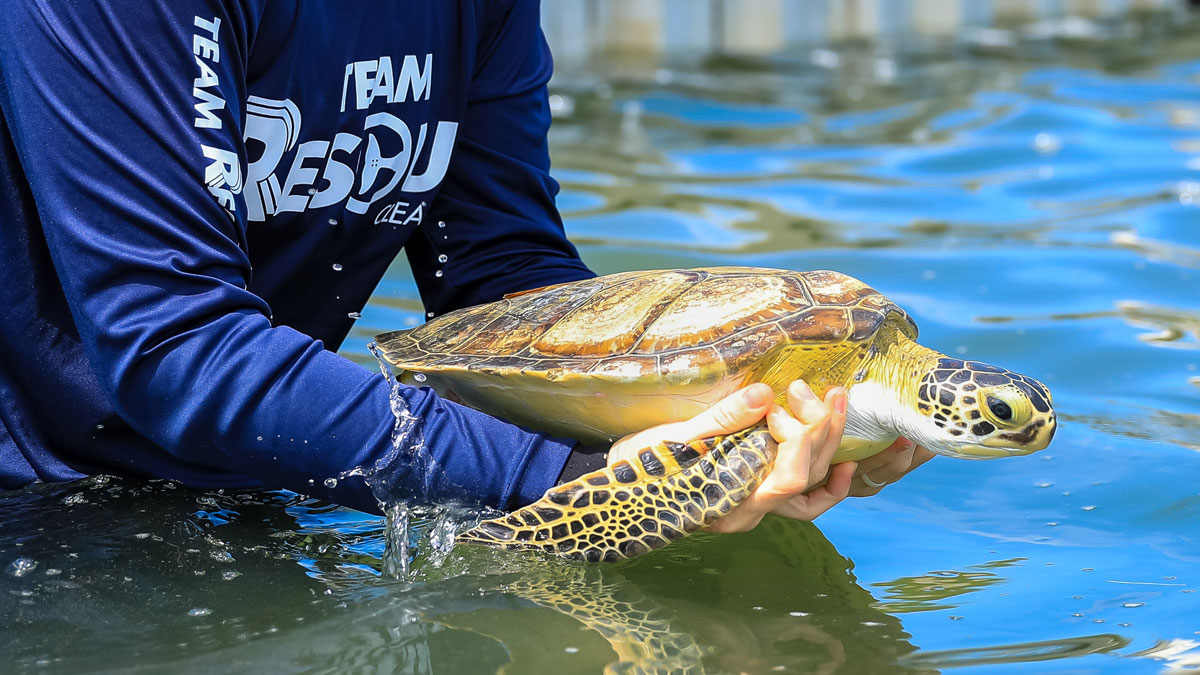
{"x":977,"y":411}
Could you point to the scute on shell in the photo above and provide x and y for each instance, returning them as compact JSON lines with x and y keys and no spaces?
{"x":632,"y":323}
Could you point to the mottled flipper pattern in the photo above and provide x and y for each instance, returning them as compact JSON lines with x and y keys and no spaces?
{"x":633,"y":507}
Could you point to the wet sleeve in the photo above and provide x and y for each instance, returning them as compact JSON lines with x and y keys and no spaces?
{"x":495,"y":220}
{"x":127,"y":120}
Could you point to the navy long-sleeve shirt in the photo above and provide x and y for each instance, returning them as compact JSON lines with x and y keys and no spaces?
{"x":195,"y":195}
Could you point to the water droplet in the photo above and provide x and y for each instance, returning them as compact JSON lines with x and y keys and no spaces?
{"x":53,"y":572}
{"x":1089,"y":508}
{"x":230,"y":575}
{"x":443,"y":258}
{"x":312,"y":191}
{"x":1046,"y":143}
{"x":419,"y":377}
{"x":1097,"y":620}
{"x":22,"y":566}
{"x":99,"y":426}
{"x":441,"y":223}
{"x":1045,"y":485}
{"x":571,"y":650}
{"x":260,"y":438}
{"x":955,"y":618}
{"x":355,"y":315}
{"x":1131,"y":605}
{"x":199,"y":611}
{"x":1076,"y":614}
{"x":429,"y":315}
{"x":330,"y":482}
{"x":798,"y":613}
{"x":1125,"y":624}
{"x":437,"y":273}
{"x":337,"y":267}
{"x":758,"y":608}
{"x":333,"y":221}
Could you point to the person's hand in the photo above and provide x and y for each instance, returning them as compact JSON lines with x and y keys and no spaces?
{"x":807,"y":441}
{"x":887,"y":467}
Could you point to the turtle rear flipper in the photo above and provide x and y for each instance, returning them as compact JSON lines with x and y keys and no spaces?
{"x":633,"y":507}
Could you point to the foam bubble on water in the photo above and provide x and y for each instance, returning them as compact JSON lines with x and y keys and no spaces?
{"x":230,"y":575}
{"x":221,"y":556}
{"x":21,"y":566}
{"x":1046,"y":143}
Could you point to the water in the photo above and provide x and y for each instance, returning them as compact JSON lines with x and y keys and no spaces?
{"x":1031,"y":205}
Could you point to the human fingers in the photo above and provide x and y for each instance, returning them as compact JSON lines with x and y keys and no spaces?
{"x":836,"y":399}
{"x":788,"y":476}
{"x":810,"y":410}
{"x":809,"y":505}
{"x":886,"y":456}
{"x":733,"y":413}
{"x":870,"y":480}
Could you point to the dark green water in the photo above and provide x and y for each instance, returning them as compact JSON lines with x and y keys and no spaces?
{"x":1034,"y":207}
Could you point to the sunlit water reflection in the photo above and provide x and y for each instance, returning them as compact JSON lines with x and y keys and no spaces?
{"x":1033,"y":205}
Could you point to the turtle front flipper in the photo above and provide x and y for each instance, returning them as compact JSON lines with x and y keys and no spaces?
{"x":632,"y":507}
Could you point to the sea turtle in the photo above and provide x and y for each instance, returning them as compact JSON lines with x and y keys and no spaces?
{"x":600,"y":358}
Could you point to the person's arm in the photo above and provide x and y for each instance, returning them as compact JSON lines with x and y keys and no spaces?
{"x":127,"y":121}
{"x":494,"y":228}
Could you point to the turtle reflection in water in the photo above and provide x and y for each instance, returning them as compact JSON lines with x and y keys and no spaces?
{"x":601,"y":358}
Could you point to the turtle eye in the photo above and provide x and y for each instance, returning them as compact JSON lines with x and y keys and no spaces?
{"x":1007,"y":407}
{"x":1000,"y":409}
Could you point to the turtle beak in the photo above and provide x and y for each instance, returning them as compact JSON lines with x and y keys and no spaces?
{"x":1035,"y":436}
{"x":986,"y":452}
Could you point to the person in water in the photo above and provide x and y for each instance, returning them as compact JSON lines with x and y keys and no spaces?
{"x":198,"y":197}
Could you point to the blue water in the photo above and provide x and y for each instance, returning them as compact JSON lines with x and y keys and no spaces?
{"x":1036,"y":209}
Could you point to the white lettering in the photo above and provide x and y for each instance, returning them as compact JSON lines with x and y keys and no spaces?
{"x":383,"y":79}
{"x":439,"y":159}
{"x":203,"y":47}
{"x":339,"y":175}
{"x":364,"y":80}
{"x":301,"y":175}
{"x":213,"y":27}
{"x":275,"y":125}
{"x":206,"y":108}
{"x":374,"y":162}
{"x":223,"y":176}
{"x":412,"y":79}
{"x":207,"y":78}
{"x":346,"y":84}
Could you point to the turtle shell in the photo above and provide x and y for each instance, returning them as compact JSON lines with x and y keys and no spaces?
{"x":562,"y":357}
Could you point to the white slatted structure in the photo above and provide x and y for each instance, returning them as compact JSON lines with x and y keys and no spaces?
{"x":577,"y":29}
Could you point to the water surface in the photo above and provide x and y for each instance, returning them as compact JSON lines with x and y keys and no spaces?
{"x":1033,"y":206}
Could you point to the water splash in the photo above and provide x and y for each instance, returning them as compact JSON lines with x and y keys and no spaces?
{"x":397,"y":556}
{"x":408,"y":445}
